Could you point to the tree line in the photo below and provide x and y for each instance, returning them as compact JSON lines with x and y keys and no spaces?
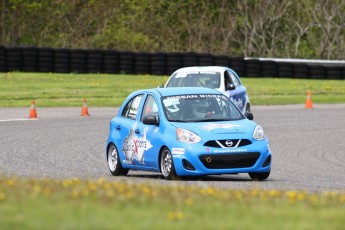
{"x":313,"y":29}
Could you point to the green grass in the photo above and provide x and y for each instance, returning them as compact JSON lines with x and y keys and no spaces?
{"x":64,"y":90}
{"x":100,"y":204}
{"x":77,"y":204}
{"x":278,"y":91}
{"x":60,"y":90}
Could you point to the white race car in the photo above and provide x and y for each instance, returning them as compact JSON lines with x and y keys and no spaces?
{"x":223,"y":79}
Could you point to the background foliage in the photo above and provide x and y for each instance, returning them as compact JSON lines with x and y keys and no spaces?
{"x":252,"y":28}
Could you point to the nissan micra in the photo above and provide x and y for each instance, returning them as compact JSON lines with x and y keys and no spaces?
{"x":223,"y":79}
{"x":186,"y":132}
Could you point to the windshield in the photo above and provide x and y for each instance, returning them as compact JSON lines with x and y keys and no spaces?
{"x":208,"y":79}
{"x":199,"y":108}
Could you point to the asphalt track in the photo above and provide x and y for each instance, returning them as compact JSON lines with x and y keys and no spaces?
{"x":308,"y":147}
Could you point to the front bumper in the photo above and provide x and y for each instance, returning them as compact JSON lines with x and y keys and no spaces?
{"x":190,"y":160}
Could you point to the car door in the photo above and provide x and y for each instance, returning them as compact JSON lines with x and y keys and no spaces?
{"x":140,"y":143}
{"x":150,"y":138}
{"x":126,"y":126}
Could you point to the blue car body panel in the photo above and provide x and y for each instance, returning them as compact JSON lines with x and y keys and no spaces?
{"x":139,"y":145}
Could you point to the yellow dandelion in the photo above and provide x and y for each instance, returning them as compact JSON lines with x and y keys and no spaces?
{"x":175,"y":216}
{"x":208,"y":191}
{"x":313,"y":199}
{"x":146,"y":190}
{"x":238,"y":195}
{"x":106,"y":186}
{"x":75,"y":181}
{"x":121,"y":188}
{"x":330,"y":195}
{"x":292,"y":196}
{"x":67,"y":183}
{"x":264,"y":196}
{"x":36,"y":189}
{"x":274,"y":193}
{"x":10,"y":182}
{"x":342,"y":198}
{"x":301,"y":196}
{"x":75,"y":194}
{"x":2,"y":196}
{"x":189,"y":201}
{"x":100,"y":181}
{"x":254,"y":192}
{"x":92,"y":186}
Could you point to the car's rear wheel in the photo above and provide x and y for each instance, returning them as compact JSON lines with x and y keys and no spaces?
{"x":259,"y":176}
{"x":167,"y":165}
{"x":114,"y":163}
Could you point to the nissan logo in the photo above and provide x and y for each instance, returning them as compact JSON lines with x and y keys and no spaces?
{"x":229,"y":143}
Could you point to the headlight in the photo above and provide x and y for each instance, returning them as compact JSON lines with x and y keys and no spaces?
{"x":258,"y":133}
{"x":186,"y":136}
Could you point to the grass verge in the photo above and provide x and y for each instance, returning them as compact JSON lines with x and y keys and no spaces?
{"x":103,"y":90}
{"x":100,"y":204}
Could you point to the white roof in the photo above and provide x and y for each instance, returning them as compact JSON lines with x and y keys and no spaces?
{"x":202,"y":68}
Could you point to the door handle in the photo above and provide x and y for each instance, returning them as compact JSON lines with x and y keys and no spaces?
{"x":137,"y":131}
{"x":118,"y":127}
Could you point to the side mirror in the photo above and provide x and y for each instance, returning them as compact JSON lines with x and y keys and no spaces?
{"x":249,"y":115}
{"x":150,"y":120}
{"x":230,"y":87}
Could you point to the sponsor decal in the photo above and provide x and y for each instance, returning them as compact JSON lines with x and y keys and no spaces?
{"x":210,"y":127}
{"x":230,"y":150}
{"x":194,"y":96}
{"x":238,"y":102}
{"x":134,"y":146}
{"x":178,"y":151}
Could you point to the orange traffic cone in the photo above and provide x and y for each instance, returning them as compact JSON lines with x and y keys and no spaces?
{"x":84,"y":110}
{"x":33,"y":113}
{"x":309,"y":103}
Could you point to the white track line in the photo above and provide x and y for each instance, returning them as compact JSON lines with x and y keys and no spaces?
{"x":19,"y":119}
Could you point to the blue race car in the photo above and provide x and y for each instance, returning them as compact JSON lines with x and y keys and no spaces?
{"x":186,"y":132}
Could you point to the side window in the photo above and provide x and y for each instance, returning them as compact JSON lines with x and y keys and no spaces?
{"x":226,"y":78}
{"x":150,"y":107}
{"x":131,"y":109}
{"x":235,"y":80}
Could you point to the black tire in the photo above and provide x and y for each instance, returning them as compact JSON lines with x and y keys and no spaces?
{"x":259,"y":176}
{"x":167,"y":165}
{"x":114,"y":163}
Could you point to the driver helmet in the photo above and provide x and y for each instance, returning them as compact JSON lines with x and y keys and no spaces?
{"x":200,"y":108}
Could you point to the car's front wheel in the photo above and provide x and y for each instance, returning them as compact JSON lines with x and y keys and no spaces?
{"x":259,"y":176}
{"x":167,"y":165}
{"x":114,"y":163}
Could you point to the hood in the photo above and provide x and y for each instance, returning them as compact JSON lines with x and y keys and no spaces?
{"x":221,"y":127}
